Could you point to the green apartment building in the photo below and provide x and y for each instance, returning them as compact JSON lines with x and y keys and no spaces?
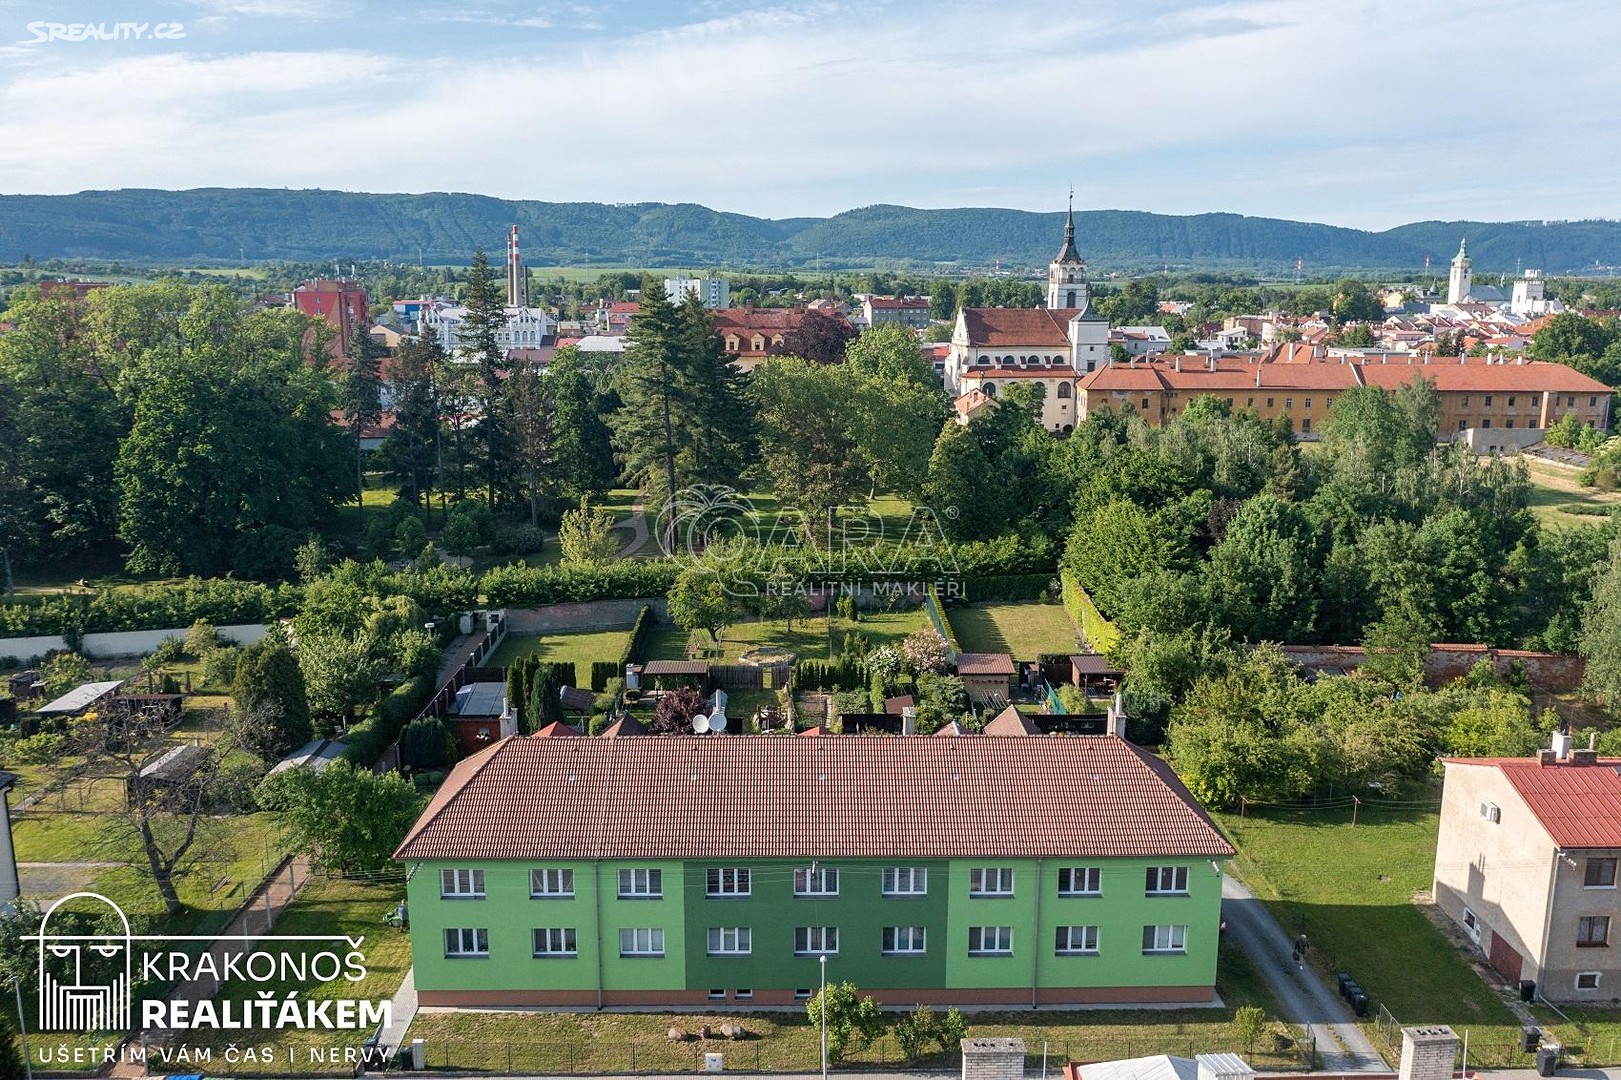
{"x":706,"y":870}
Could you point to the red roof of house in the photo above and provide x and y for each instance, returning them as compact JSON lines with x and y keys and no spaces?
{"x":1578,"y":805}
{"x":553,"y":730}
{"x":1448,"y":374}
{"x":659,"y":797}
{"x":1047,"y":328}
{"x":1010,"y":722}
{"x":984,"y":663}
{"x":894,"y":705}
{"x":765,"y":320}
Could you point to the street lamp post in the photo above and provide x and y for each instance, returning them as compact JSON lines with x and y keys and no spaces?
{"x":823,"y":1011}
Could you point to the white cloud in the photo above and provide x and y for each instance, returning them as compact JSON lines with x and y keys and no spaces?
{"x":1364,"y":112}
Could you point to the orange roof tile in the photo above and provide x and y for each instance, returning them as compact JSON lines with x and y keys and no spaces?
{"x":1047,"y":328}
{"x":658,"y":797}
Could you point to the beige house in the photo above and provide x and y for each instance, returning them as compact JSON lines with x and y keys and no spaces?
{"x":1526,"y":865}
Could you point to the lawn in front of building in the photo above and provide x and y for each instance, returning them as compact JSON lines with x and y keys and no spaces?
{"x":1026,"y":630}
{"x":580,"y":649}
{"x":538,"y":1042}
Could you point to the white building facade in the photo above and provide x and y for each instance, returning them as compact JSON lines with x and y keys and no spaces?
{"x":713,"y":292}
{"x":1052,"y":346}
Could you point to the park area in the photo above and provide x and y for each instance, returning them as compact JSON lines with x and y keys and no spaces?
{"x":1360,"y":893}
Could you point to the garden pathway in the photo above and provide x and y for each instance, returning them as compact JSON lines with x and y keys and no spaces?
{"x":1303,"y":998}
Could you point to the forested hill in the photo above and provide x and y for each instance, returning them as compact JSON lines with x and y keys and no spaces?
{"x":229,"y":224}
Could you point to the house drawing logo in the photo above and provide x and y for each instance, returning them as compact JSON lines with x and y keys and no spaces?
{"x":84,"y":979}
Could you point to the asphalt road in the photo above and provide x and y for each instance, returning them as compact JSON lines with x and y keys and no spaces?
{"x":1302,"y":996}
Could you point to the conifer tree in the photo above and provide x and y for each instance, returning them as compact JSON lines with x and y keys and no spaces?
{"x":478,"y":336}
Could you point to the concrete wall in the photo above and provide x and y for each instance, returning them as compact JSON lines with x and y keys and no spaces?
{"x":122,"y":643}
{"x":1557,"y":672}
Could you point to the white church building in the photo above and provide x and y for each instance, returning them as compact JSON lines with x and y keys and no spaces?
{"x":1053,"y":346}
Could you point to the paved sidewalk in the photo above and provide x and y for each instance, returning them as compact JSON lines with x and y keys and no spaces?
{"x":401,"y":1012}
{"x":1301,"y":995}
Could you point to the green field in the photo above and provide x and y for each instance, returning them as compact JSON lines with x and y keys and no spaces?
{"x":538,"y":1042}
{"x":1559,"y":501}
{"x":580,"y":649}
{"x":1026,"y":629}
{"x":814,"y":638}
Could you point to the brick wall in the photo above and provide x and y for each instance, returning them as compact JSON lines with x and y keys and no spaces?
{"x":1556,"y":672}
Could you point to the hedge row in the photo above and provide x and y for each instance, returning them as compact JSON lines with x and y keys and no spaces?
{"x":221,"y":601}
{"x":845,"y":673}
{"x":1011,"y":587}
{"x":368,"y":739}
{"x":605,"y":671}
{"x":520,"y":585}
{"x":1101,"y":634}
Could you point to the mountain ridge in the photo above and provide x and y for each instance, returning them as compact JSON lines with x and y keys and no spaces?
{"x":264,"y":224}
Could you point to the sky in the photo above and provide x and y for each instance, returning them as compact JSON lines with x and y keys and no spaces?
{"x":1368,"y":113}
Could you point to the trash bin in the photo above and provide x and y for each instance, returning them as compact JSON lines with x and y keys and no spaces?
{"x":1343,"y":978}
{"x":1359,"y":1003}
{"x":1548,"y":1058}
{"x":1352,"y":989}
{"x":1529,"y":1037}
{"x":1528,"y":990}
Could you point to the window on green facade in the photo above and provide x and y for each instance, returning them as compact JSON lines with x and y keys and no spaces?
{"x":1165,"y":939}
{"x":730,"y":941}
{"x":551,"y":884}
{"x":906,"y":881}
{"x":467,"y":942}
{"x":726,"y":881}
{"x":1080,"y":881}
{"x":816,"y":881}
{"x":990,"y":881}
{"x":1076,"y":941}
{"x":555,"y":941}
{"x":461,"y":884}
{"x":1167,"y":881}
{"x":905,"y":940}
{"x":816,"y":940}
{"x":641,"y":884}
{"x":990,"y":941}
{"x":641,"y":941}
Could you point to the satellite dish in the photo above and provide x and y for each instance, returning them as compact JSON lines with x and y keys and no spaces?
{"x":717,"y":720}
{"x":700,"y":724}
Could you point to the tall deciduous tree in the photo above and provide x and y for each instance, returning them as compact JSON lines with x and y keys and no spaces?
{"x":528,"y":406}
{"x":1601,"y":635}
{"x":586,"y":535}
{"x":349,"y":818}
{"x":819,"y":338}
{"x":270,"y":695}
{"x":808,"y":438}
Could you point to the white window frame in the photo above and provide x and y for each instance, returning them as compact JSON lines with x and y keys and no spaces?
{"x":727,"y":882}
{"x":566,"y":938}
{"x":642,"y":941}
{"x":542,"y":881}
{"x":1594,"y":975}
{"x":816,"y":941}
{"x":1471,"y":925}
{"x":1177,"y":876}
{"x":1091,"y":878}
{"x":990,"y":941}
{"x":729,"y":941}
{"x":990,"y":882}
{"x":816,"y":881}
{"x":470,"y":943}
{"x":905,"y":941}
{"x":1076,"y":941}
{"x":1165,"y":940}
{"x":906,"y":881}
{"x":461,"y":884}
{"x":745,"y":994}
{"x":644,"y":883}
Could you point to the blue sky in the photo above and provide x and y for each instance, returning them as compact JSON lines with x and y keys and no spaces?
{"x":1356,"y":112}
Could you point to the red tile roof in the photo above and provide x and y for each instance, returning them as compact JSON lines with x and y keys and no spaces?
{"x":553,"y":730}
{"x":984,"y":663}
{"x":1578,"y":805}
{"x":1010,"y":722}
{"x":996,"y":327}
{"x":659,"y":797}
{"x":625,"y":726}
{"x":766,"y":320}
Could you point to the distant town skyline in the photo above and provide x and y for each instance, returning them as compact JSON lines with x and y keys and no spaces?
{"x":1367,"y":114}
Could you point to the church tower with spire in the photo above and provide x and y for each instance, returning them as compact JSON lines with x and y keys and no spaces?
{"x":1066,"y":274}
{"x":1459,"y":281}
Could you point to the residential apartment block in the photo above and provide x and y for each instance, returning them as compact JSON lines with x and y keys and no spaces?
{"x":1526,"y":865}
{"x":673,"y":871}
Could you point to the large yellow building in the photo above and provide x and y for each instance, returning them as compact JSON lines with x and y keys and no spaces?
{"x":1477,"y":395}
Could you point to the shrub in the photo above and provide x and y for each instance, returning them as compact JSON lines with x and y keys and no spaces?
{"x":518,"y":540}
{"x":1249,"y":1024}
{"x":925,"y":651}
{"x":853,"y":1021}
{"x":602,"y":671}
{"x":219,"y":666}
{"x":41,"y":749}
{"x":63,"y":671}
{"x":201,"y":638}
{"x":427,"y":743}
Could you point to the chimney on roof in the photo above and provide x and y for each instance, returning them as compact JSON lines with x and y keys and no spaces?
{"x":1117,"y":717}
{"x":1428,"y":1053}
{"x":1212,"y":361}
{"x":909,"y":720}
{"x":1177,"y":363}
{"x":1561,"y":746}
